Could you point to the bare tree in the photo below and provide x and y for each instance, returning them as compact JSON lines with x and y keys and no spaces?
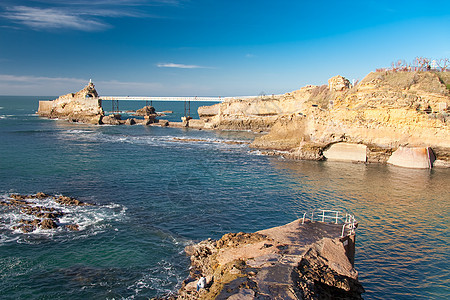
{"x":443,"y":63}
{"x":423,"y":63}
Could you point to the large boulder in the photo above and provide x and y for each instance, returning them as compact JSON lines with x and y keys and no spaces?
{"x":146,"y":111}
{"x":111,"y":120}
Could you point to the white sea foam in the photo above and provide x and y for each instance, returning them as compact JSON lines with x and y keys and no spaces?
{"x":90,"y":219}
{"x":160,"y":278}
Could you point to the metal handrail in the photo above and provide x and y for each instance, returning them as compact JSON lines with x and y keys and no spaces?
{"x":347,"y":220}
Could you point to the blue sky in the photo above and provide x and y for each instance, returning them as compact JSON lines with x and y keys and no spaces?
{"x":208,"y":47}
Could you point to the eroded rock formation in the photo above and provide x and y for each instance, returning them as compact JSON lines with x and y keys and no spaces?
{"x":384,"y":111}
{"x":82,"y":106}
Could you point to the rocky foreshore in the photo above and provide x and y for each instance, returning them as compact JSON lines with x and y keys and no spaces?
{"x":300,"y":260}
{"x":36,"y":214}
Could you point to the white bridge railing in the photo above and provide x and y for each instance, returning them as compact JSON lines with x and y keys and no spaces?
{"x":348,"y":221}
{"x":128,"y":98}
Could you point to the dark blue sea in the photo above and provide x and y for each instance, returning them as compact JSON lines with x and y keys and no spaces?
{"x":155,"y":194}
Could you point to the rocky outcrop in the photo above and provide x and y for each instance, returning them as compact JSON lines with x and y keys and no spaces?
{"x":384,"y":111}
{"x":146,"y":111}
{"x":295,"y":261}
{"x":38,"y":215}
{"x":113,"y":119}
{"x":82,"y":106}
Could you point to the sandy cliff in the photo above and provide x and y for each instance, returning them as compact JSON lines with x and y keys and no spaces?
{"x":384,"y":111}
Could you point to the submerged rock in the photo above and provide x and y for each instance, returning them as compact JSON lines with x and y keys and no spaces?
{"x":73,"y":227}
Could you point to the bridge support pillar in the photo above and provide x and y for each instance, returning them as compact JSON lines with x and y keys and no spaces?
{"x":115,"y":105}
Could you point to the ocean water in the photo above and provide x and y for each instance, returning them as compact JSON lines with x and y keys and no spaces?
{"x":154,"y":194}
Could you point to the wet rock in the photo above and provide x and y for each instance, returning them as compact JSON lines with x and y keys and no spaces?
{"x":130,"y":121}
{"x":48,"y":224}
{"x":49,"y":215}
{"x":27,"y":228}
{"x":111,"y":119}
{"x":41,"y":195}
{"x":29,"y":206}
{"x":34,"y":222}
{"x":163,"y":123}
{"x":70,"y":201}
{"x":17,"y":197}
{"x":73,"y":227}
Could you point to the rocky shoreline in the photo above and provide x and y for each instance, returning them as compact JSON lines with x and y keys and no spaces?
{"x":400,"y":118}
{"x":300,"y":260}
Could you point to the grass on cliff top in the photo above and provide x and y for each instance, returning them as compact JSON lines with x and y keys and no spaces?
{"x":425,"y":81}
{"x":445,"y":78}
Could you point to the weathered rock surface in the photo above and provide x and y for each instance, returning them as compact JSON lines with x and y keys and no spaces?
{"x":294,"y":261}
{"x":82,"y":106}
{"x":384,"y":111}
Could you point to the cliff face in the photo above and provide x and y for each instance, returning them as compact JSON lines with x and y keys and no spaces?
{"x":82,"y":106}
{"x":384,"y":111}
{"x":294,"y":261}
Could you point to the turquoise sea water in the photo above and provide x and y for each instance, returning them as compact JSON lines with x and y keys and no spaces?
{"x":154,"y":195}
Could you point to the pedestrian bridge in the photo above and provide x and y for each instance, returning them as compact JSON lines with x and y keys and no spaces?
{"x":128,"y":98}
{"x":149,"y":100}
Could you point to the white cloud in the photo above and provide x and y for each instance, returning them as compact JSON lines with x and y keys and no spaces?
{"x":84,"y":15}
{"x":179,"y":66}
{"x":51,"y":18}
